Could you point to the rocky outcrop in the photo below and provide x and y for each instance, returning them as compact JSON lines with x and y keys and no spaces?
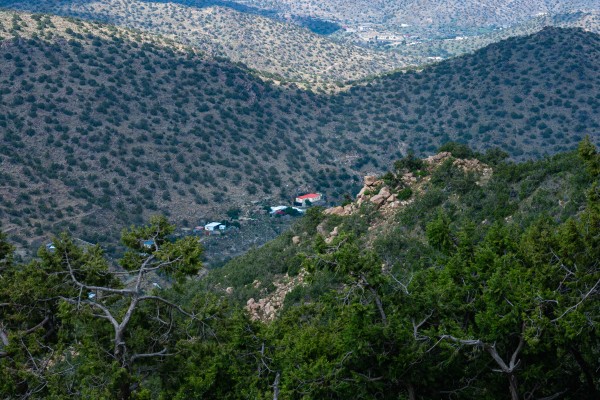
{"x":375,"y":192}
{"x":475,"y":166}
{"x":472,"y":165}
{"x":379,"y":195}
{"x":437,"y":159}
{"x":266,"y":309}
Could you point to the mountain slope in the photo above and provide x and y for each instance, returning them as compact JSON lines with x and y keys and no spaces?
{"x":432,"y":294}
{"x":284,"y":50}
{"x":526,"y":92}
{"x":482,"y":282}
{"x":103,"y":126}
{"x":114,"y":125}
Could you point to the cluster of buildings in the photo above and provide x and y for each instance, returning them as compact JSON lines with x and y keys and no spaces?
{"x":210,"y":228}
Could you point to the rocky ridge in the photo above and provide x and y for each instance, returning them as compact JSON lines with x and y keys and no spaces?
{"x":385,"y":198}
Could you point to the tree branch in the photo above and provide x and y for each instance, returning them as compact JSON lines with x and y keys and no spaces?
{"x":107,"y":313}
{"x":91,"y":287}
{"x":417,"y":326}
{"x":167,"y":302}
{"x":377,"y":299}
{"x":162,"y":353}
{"x":568,"y":310}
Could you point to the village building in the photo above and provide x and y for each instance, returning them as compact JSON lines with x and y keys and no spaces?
{"x":281,"y":210}
{"x":213,"y":226}
{"x":308,"y":199}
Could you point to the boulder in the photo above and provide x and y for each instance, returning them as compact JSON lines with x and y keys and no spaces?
{"x":321,"y":227}
{"x":438,"y":158}
{"x":339,"y":210}
{"x":229,"y":290}
{"x":370,"y":180}
{"x":378,"y":199}
{"x":296,"y":240}
{"x":385,"y":192}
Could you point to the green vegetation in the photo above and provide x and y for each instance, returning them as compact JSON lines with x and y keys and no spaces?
{"x":473,"y":291}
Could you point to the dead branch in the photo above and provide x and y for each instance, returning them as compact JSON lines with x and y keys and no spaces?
{"x":574,"y":307}
{"x":162,"y":353}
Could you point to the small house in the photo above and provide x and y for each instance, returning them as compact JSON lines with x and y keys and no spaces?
{"x":285,"y":210}
{"x":275,"y":209}
{"x":214,"y":226}
{"x":308,"y":199}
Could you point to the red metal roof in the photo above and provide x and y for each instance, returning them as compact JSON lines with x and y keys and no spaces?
{"x":308,"y":196}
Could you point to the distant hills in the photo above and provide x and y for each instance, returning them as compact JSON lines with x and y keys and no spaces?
{"x":102,"y":126}
{"x":321,"y":45}
{"x":462,"y":13}
{"x":456,"y":44}
{"x":280,"y":50}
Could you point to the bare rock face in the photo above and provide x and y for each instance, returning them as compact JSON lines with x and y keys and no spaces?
{"x":339,"y":210}
{"x":475,"y":166}
{"x":377,"y":193}
{"x":438,"y":158}
{"x":332,"y":235}
{"x":321,"y":229}
{"x":409,"y":179}
{"x":266,"y":309}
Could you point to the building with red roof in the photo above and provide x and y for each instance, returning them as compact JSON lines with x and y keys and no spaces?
{"x":310,"y":197}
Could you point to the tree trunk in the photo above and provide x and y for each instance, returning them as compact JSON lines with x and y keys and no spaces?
{"x":587,"y":372}
{"x":513,"y":386}
{"x":124,"y":388}
{"x":411,"y":392}
{"x":276,"y":387}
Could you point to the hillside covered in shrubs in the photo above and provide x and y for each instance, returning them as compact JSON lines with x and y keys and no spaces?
{"x":103,"y":127}
{"x":477,"y":278}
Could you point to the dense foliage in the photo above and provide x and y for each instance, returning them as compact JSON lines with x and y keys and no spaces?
{"x":473,"y":291}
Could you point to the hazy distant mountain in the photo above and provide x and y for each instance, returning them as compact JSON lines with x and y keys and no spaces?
{"x":426,"y":12}
{"x":458,"y":45}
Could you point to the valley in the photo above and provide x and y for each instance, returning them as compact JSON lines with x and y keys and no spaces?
{"x":106,"y":124}
{"x":315,"y":200}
